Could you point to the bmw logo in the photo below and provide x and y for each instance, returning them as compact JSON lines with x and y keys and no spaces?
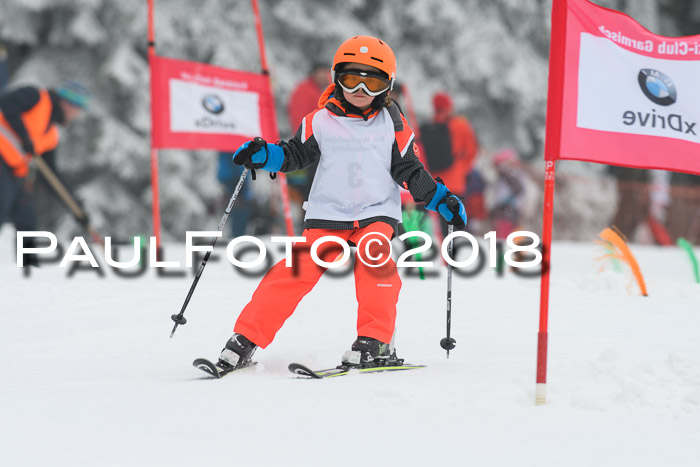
{"x":657,"y":86}
{"x":213,"y":104}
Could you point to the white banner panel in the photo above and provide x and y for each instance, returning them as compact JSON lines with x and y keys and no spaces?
{"x":195,"y":108}
{"x":625,"y":92}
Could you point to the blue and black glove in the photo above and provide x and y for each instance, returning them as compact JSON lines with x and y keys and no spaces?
{"x":449,"y":206}
{"x":257,"y":154}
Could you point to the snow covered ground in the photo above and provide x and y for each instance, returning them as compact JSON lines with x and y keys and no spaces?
{"x":89,"y":376}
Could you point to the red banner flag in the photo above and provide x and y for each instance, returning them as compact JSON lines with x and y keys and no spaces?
{"x":619,"y":94}
{"x":199,"y":106}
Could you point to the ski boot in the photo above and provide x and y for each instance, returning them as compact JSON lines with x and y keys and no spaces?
{"x":368,"y":352}
{"x":237,"y":353}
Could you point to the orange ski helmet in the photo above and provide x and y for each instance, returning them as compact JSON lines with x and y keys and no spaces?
{"x":366,"y":50}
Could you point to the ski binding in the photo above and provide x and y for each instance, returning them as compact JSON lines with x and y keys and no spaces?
{"x":220,"y":369}
{"x":342,"y":370}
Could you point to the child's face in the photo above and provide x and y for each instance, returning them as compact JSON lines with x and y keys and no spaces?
{"x":360,"y":98}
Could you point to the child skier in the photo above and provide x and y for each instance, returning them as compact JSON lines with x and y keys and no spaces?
{"x":365,"y":151}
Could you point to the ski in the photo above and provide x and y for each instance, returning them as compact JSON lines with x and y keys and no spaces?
{"x":342,"y":370}
{"x":218,"y":371}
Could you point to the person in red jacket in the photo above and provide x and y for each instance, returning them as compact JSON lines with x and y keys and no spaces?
{"x":304,"y":98}
{"x":303,"y":101}
{"x":29,"y":120}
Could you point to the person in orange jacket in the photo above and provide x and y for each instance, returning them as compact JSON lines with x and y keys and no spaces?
{"x":29,"y":120}
{"x":449,"y":145}
{"x":365,"y":150}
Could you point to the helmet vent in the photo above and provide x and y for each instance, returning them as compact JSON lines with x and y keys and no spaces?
{"x":348,"y":53}
{"x":377,"y":59}
{"x":380,"y":41}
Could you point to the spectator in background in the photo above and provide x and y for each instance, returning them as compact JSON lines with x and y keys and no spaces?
{"x":510,"y":192}
{"x":449,"y":145}
{"x":303,"y":101}
{"x":29,"y":120}
{"x":304,"y":98}
{"x":229,"y":174}
{"x":474,"y":198}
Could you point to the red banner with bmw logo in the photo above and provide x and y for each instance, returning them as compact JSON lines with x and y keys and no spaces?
{"x":199,"y":106}
{"x":619,"y":94}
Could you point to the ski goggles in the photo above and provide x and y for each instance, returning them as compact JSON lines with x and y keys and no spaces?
{"x":373,"y":84}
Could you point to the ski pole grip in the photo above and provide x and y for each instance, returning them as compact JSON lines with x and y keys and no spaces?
{"x":257,"y":144}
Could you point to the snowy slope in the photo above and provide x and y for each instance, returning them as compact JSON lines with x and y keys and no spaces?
{"x":89,"y":377}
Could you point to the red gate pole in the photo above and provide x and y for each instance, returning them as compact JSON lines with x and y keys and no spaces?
{"x":263,"y":60}
{"x":555,"y":98}
{"x":411,"y":111}
{"x":155,"y":203}
{"x":541,"y":383}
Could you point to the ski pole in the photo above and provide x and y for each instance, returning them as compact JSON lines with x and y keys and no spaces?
{"x":179,"y":318}
{"x":448,"y":343}
{"x":63,"y":193}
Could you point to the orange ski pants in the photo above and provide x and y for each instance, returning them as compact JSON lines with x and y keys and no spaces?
{"x":282,"y":288}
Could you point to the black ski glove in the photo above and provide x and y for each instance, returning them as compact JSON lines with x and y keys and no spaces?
{"x":257,"y":154}
{"x":28,"y":147}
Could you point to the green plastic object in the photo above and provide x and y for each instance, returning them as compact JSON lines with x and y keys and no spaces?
{"x":415,"y":220}
{"x":684,"y":244}
{"x":610,"y":250}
